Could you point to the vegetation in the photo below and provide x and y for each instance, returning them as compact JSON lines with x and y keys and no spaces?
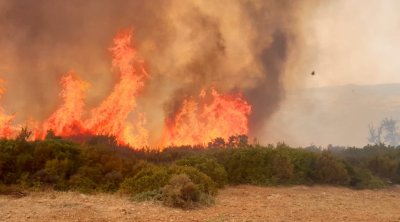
{"x":181,"y":192}
{"x":187,"y":176}
{"x":386,"y":132}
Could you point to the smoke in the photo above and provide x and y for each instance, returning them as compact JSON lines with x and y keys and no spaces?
{"x":349,"y":45}
{"x":235,"y":46}
{"x":42,"y":40}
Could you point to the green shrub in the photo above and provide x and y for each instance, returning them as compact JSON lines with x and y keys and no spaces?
{"x":148,"y":195}
{"x":111,"y":181}
{"x":373,"y":183}
{"x":139,"y":167}
{"x":361,"y":178}
{"x":303,"y":166}
{"x":56,"y":149}
{"x":148,"y":179}
{"x":282,"y":168}
{"x":180,"y":192}
{"x":87,"y":179}
{"x":94,"y":172}
{"x":383,"y":166}
{"x":208,"y":166}
{"x":100,"y":164}
{"x":54,"y":173}
{"x":57,"y":168}
{"x":249,"y":166}
{"x":24,"y":162}
{"x":44,"y":177}
{"x":330,"y":170}
{"x":24,"y":181}
{"x":82,"y":184}
{"x":204,"y":183}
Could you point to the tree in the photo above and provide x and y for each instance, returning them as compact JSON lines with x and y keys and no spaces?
{"x":392,"y":136}
{"x":387,"y":132}
{"x":24,"y":134}
{"x":238,"y":141}
{"x":374,"y":134}
{"x":218,"y":142}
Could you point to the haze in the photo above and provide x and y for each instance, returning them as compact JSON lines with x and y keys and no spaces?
{"x":354,"y":48}
{"x":265,"y":49}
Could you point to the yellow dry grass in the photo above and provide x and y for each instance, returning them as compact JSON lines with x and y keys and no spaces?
{"x":240,"y":203}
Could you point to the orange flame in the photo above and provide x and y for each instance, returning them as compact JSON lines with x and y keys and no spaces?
{"x":6,"y":129}
{"x":110,"y":118}
{"x":198,"y":122}
{"x":66,"y":121}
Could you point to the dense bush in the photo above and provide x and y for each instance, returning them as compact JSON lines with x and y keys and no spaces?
{"x":361,"y":178}
{"x":330,"y":171}
{"x":148,"y":179}
{"x":111,"y":181}
{"x":180,"y":173}
{"x":49,"y":162}
{"x":180,"y":192}
{"x":382,"y":161}
{"x":267,"y":166}
{"x":248,"y":166}
{"x":204,"y":183}
{"x":208,"y":166}
{"x":178,"y":186}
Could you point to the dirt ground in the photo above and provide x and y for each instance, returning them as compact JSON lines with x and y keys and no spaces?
{"x":240,"y":203}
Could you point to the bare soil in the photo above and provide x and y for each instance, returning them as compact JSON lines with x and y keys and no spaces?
{"x":240,"y":203}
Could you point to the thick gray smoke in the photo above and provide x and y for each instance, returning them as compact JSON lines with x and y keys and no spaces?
{"x":240,"y":46}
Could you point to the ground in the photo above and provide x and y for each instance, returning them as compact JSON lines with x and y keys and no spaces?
{"x":239,"y":203}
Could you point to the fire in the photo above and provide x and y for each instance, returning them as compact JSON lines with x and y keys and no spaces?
{"x":110,"y":118}
{"x":202,"y":119}
{"x":66,"y":121}
{"x":6,"y":129}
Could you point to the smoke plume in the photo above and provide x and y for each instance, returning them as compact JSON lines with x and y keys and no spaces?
{"x":233,"y":46}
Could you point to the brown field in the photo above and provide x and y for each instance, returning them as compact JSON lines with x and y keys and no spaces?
{"x":240,"y":203}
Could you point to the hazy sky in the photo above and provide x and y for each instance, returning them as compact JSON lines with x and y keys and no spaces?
{"x":346,"y":42}
{"x":354,"y":42}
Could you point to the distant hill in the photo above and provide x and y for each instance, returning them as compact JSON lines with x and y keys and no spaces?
{"x":333,"y":115}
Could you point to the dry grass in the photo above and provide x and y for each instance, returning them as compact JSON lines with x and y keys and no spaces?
{"x":241,"y":203}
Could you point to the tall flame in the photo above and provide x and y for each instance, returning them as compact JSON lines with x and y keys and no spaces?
{"x":110,"y":118}
{"x":199,"y":121}
{"x":66,"y":121}
{"x":6,"y":129}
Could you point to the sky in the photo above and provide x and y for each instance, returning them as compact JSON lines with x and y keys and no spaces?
{"x":353,"y":42}
{"x":354,"y":48}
